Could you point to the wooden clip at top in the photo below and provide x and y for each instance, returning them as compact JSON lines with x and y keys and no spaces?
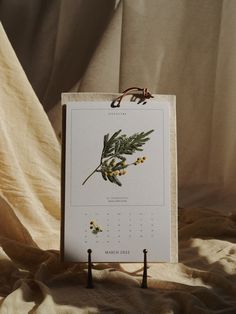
{"x":137,"y":92}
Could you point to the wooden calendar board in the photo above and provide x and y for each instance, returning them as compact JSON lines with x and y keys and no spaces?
{"x":119,"y":191}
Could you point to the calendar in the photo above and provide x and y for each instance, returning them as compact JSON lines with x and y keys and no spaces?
{"x":118,"y":179}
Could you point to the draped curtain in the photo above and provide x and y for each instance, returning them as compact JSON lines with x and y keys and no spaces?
{"x":182,"y":47}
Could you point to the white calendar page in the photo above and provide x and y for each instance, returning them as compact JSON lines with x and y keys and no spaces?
{"x":117,"y":181}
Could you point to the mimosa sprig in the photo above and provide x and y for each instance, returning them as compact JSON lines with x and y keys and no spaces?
{"x":115,"y":148}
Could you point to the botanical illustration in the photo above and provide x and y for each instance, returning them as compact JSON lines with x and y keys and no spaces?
{"x":113,"y":163}
{"x":95,"y":228}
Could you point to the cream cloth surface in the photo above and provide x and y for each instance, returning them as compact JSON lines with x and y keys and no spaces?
{"x":32,"y":280}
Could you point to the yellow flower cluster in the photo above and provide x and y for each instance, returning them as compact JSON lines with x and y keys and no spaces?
{"x":94,"y":227}
{"x":122,"y":172}
{"x":140,"y":160}
{"x":111,"y":172}
{"x":116,"y":173}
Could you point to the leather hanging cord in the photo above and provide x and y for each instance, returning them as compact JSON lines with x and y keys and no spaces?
{"x":144,"y":93}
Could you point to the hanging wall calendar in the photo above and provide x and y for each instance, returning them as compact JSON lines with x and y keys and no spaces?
{"x":119,"y":178}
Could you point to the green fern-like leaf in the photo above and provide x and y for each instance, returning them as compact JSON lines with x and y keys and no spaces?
{"x":116,"y":148}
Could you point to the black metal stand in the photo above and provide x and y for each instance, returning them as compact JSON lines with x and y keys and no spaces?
{"x":90,"y":276}
{"x":144,"y":281}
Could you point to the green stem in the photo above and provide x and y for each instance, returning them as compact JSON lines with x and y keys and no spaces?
{"x":95,"y":170}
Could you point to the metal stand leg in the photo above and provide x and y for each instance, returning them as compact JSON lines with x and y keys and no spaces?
{"x":144,"y":281}
{"x":90,"y":276}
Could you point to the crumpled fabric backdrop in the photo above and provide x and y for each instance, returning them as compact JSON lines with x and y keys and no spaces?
{"x":183,"y":47}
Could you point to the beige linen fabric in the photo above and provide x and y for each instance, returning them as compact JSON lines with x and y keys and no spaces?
{"x":183,"y":47}
{"x":30,"y":160}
